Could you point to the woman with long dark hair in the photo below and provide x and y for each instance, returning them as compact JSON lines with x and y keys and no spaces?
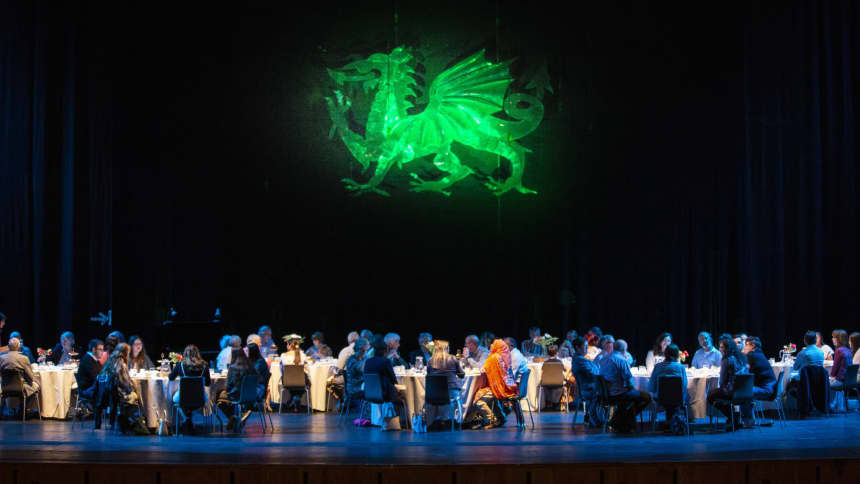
{"x":733,"y":363}
{"x":192,"y":364}
{"x":841,"y":358}
{"x":138,"y":360}
{"x":658,"y":353}
{"x":240,"y":367}
{"x":118,"y":381}
{"x":255,"y":356}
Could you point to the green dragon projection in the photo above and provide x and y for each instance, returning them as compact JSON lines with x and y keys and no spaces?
{"x":463,"y":103}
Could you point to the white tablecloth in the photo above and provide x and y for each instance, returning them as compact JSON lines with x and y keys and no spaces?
{"x":699,"y":383}
{"x":156,"y":395}
{"x":55,"y":391}
{"x":415,"y":383}
{"x":534,"y":383}
{"x":318,"y":374}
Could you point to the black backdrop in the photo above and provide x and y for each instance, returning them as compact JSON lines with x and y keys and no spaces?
{"x":696,"y":170}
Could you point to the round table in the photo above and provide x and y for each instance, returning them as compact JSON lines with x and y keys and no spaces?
{"x":699,"y":383}
{"x":156,"y":395}
{"x":55,"y":390}
{"x":318,"y":374}
{"x":415,"y":384}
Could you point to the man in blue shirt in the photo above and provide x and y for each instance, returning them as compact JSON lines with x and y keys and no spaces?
{"x":810,"y":356}
{"x":707,"y":355}
{"x":669,"y":367}
{"x":606,"y":345}
{"x":585,"y":372}
{"x":615,"y":370}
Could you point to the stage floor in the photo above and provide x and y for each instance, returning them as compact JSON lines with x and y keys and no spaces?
{"x":319,"y":440}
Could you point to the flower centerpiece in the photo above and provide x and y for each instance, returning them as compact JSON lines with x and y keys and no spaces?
{"x":787,"y":350}
{"x":547,"y":340}
{"x":43,"y":352}
{"x":175,"y":357}
{"x":684,"y":355}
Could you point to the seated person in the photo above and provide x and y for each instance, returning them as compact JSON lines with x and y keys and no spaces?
{"x":24,"y":350}
{"x":192,"y":364}
{"x":445,"y":364}
{"x":120,"y":386}
{"x":732,"y":364}
{"x":841,"y":358}
{"x":111,"y":342}
{"x":811,"y":355}
{"x":658,"y":352}
{"x":267,"y":345}
{"x":554,"y":396}
{"x":519,"y":364}
{"x":355,"y":369}
{"x":607,"y":347}
{"x":423,"y":340}
{"x":382,"y":365}
{"x":314,"y":351}
{"x":827,"y":350}
{"x":240,"y":367}
{"x":473,"y":354}
{"x":392,"y":342}
{"x":228,"y":344}
{"x":255,"y":356}
{"x":62,"y":353}
{"x":89,"y":369}
{"x":615,"y":370}
{"x":532,"y":346}
{"x":670,"y":366}
{"x":764,"y":383}
{"x":854,"y":343}
{"x":495,"y":384}
{"x":294,"y":356}
{"x":585,"y":374}
{"x":707,"y":356}
{"x":487,"y":338}
{"x":15,"y":360}
{"x":347,"y":351}
{"x":139,"y":360}
{"x":566,"y":348}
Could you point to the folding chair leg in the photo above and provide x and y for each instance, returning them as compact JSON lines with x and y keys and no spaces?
{"x":281,"y":402}
{"x":531,"y":414}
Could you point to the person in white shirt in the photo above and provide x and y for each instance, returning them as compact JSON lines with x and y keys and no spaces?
{"x":707,"y":355}
{"x":658,"y":353}
{"x":348,"y":351}
{"x":266,"y":342}
{"x":228,"y":343}
{"x":827,"y":350}
{"x":519,"y":364}
{"x":294,"y":354}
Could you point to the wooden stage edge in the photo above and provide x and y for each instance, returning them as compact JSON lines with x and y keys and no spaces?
{"x":748,"y":472}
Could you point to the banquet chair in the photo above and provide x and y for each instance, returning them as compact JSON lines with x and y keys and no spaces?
{"x":293,"y":380}
{"x":606,"y":404}
{"x":80,"y":403}
{"x":13,"y":387}
{"x":247,"y":401}
{"x":670,"y":392}
{"x":743,"y":394}
{"x":850,"y":385}
{"x":552,"y":378}
{"x":778,"y":398}
{"x":373,"y":394}
{"x":436,"y":393}
{"x":516,"y":401}
{"x":191,"y":395}
{"x":347,"y":397}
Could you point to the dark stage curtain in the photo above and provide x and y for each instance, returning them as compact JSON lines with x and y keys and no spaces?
{"x":55,"y":171}
{"x":797,"y":190}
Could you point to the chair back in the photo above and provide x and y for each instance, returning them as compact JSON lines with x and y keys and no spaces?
{"x":524,"y":384}
{"x":436,"y":390}
{"x":12,"y":383}
{"x":293,"y":377}
{"x":552,"y":375}
{"x":743,"y":391}
{"x":191,"y":392}
{"x":248,"y":390}
{"x":373,"y":388}
{"x":602,"y":389}
{"x":670,"y":391}
{"x":850,"y":377}
{"x":780,"y":390}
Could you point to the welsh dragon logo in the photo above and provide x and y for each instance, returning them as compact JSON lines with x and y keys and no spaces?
{"x":465,"y":102}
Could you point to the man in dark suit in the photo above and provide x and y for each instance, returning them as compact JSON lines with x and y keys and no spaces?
{"x":423,"y":339}
{"x":89,"y":369}
{"x":14,"y":360}
{"x":62,"y":352}
{"x":24,"y":350}
{"x":764,"y":380}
